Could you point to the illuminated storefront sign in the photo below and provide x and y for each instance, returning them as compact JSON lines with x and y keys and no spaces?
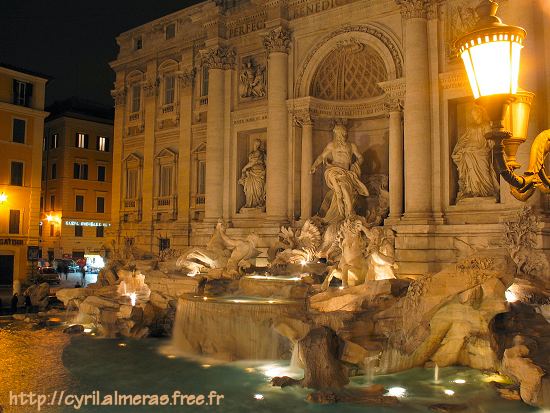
{"x":11,"y":241}
{"x":87,"y":224}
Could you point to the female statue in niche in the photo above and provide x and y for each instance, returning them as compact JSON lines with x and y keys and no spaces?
{"x":253,"y":177}
{"x":472,"y":157}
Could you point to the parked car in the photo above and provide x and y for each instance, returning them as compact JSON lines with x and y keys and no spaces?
{"x":48,"y":275}
{"x":70,"y":264}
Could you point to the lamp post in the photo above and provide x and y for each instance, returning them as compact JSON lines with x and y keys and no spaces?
{"x":491,"y":54}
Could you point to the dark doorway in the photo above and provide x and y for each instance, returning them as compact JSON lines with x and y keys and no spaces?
{"x":6,"y":270}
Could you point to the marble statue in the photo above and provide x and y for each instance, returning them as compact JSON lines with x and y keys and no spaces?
{"x":253,"y":177}
{"x":380,"y":254}
{"x":223,"y":257}
{"x":353,"y":265}
{"x":472,"y":157}
{"x":343,"y":169}
{"x":296,"y":246}
{"x":252,"y":79}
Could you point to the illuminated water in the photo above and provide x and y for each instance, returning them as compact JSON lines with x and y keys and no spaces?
{"x":31,"y":360}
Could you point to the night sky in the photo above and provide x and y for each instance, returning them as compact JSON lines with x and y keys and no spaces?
{"x":73,"y":40}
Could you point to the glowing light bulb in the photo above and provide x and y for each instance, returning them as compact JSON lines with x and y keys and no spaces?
{"x":206,"y":366}
{"x":341,"y":287}
{"x":259,"y":396}
{"x":249,"y":370}
{"x":205,"y":298}
{"x":171,"y":356}
{"x":396,"y":392}
{"x":87,"y":330}
{"x":122,"y":344}
{"x":448,"y":392}
{"x":459,"y":381}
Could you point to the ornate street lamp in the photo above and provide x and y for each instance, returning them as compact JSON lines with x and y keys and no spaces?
{"x":491,"y":54}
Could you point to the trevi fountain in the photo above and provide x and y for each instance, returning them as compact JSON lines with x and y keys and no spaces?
{"x":339,"y":310}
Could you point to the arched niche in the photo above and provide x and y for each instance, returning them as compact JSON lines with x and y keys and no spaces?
{"x":376,"y":39}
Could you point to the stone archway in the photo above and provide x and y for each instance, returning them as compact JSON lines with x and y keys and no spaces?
{"x":378,"y":41}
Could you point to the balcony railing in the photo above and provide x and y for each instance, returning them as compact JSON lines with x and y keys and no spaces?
{"x":204,"y":100}
{"x":134,"y":116}
{"x":132,"y":203}
{"x":165,"y":202}
{"x":198,"y":200}
{"x":168,"y":108}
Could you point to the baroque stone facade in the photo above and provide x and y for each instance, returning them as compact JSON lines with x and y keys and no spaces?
{"x":190,"y":107}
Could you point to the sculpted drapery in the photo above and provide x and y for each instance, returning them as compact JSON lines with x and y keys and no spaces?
{"x":472,"y":157}
{"x":343,"y":169}
{"x":253,"y":177}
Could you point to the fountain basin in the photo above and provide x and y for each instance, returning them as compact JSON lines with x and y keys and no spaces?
{"x":233,"y":327}
{"x":273,"y":286}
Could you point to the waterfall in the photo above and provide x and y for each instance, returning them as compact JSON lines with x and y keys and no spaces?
{"x":232,"y":329}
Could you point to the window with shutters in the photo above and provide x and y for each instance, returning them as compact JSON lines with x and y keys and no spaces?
{"x":54,"y":171}
{"x":78,"y":231}
{"x":54,"y":141}
{"x":201,"y":177}
{"x":52,"y":202}
{"x":22,"y":93}
{"x":204,"y":81}
{"x":136,"y":98}
{"x":52,"y":230}
{"x":80,"y":170}
{"x":101,"y":172}
{"x":19,"y":127}
{"x":169,"y":88}
{"x":15,"y":216}
{"x":131,"y":183}
{"x":100,"y":232}
{"x":166,"y":173}
{"x":102,"y":144}
{"x":81,"y":140}
{"x":79,"y":203}
{"x":100,"y":204}
{"x":170,"y":31}
{"x":16,"y":177}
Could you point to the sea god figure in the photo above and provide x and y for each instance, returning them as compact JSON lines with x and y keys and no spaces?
{"x":342,"y":173}
{"x":472,"y":157}
{"x":253,"y":177}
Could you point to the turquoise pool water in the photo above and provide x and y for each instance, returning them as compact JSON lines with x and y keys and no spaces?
{"x":46,"y":360}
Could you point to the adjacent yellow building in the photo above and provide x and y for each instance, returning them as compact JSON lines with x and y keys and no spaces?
{"x":76,"y":181}
{"x":22,"y":96}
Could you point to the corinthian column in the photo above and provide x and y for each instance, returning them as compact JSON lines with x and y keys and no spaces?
{"x":277,"y":43}
{"x":305,"y":120}
{"x":418,"y":159}
{"x":217,"y":59}
{"x":396,"y":159}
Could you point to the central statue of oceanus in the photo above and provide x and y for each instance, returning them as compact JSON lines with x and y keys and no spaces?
{"x":343,"y":169}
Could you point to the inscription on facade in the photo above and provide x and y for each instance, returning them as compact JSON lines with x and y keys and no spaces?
{"x":306,"y":8}
{"x":246,"y":28}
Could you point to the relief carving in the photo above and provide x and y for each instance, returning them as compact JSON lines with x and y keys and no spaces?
{"x":461,"y":18}
{"x":119,"y":96}
{"x":252,"y":80}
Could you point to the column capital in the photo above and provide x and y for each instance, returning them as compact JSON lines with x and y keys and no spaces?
{"x":119,"y":96}
{"x":150,"y":88}
{"x":186,"y":77}
{"x":218,"y":57}
{"x":277,"y":40}
{"x":411,"y":9}
{"x":302,"y":117}
{"x":393,"y":104}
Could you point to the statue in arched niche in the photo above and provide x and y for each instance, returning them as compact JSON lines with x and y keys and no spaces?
{"x":253,"y":177}
{"x":472,"y":157}
{"x":342,"y":172}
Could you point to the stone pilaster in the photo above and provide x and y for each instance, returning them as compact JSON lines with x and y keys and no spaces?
{"x":119,"y":96}
{"x":305,"y":120}
{"x":417,"y":147}
{"x":277,"y":43}
{"x":185,"y":82}
{"x":150,"y":91}
{"x":217,"y":59}
{"x":395,"y":107}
